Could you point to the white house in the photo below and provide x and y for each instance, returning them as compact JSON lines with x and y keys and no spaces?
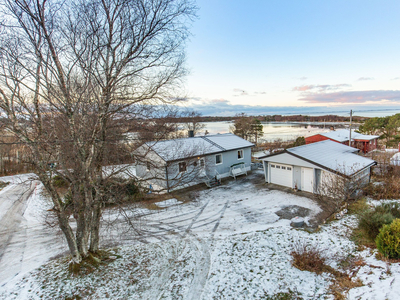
{"x":306,"y":167}
{"x":174,"y":163}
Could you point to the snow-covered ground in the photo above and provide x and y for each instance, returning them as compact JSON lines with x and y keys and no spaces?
{"x":227,"y":243}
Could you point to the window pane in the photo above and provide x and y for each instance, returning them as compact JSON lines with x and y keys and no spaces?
{"x":182,"y":166}
{"x":218,"y":159}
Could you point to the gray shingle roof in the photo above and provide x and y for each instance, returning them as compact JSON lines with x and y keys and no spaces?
{"x":176,"y":149}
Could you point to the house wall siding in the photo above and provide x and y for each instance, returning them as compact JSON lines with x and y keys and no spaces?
{"x":230,"y":158}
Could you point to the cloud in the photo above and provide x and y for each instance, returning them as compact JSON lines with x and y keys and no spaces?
{"x":396,"y":78}
{"x":365,"y":78}
{"x":218,"y":101}
{"x":241,"y":92}
{"x":302,"y":78}
{"x":320,"y":87}
{"x":260,"y":93}
{"x":352,"y":97}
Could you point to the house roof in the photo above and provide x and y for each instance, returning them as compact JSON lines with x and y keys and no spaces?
{"x":342,"y":135}
{"x":171,"y":150}
{"x":331,"y":156}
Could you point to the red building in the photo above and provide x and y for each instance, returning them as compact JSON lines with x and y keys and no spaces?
{"x":365,"y":143}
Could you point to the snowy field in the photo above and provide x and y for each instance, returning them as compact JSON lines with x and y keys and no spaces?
{"x":230,"y":242}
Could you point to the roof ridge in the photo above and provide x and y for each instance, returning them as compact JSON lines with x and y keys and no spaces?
{"x":213,"y":143}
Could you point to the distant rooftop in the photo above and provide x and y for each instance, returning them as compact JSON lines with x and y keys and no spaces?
{"x":342,"y":135}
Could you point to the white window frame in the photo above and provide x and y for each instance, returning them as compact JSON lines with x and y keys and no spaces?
{"x":242,"y":154}
{"x":216,"y":159}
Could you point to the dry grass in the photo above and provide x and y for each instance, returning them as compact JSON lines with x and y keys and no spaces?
{"x":311,"y":258}
{"x":308,"y":258}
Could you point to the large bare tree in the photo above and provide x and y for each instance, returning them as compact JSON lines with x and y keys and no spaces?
{"x":70,"y":71}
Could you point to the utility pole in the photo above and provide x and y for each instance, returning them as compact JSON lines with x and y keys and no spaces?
{"x":351,"y":114}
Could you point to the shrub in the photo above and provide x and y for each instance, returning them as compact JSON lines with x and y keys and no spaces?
{"x":372,"y":220}
{"x":388,"y":240}
{"x":308,"y":258}
{"x":59,"y":182}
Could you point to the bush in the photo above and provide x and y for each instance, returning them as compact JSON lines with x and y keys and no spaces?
{"x":59,"y":182}
{"x":388,"y":240}
{"x":372,"y":220}
{"x":308,"y":258}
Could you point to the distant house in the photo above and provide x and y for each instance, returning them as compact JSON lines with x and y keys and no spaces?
{"x":173,"y":163}
{"x":363,"y":142}
{"x":306,"y":167}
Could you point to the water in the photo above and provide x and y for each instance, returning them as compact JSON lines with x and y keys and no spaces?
{"x":273,"y":131}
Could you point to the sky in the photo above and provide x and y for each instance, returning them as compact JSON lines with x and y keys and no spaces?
{"x":283,"y":57}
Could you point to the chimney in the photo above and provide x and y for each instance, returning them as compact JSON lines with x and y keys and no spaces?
{"x":191,"y":133}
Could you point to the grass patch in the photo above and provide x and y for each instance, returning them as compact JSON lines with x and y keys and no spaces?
{"x":289,"y":295}
{"x":90,"y":263}
{"x":311,"y":258}
{"x":3,"y":185}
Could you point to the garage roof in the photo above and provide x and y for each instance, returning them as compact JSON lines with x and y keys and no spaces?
{"x":331,"y":156}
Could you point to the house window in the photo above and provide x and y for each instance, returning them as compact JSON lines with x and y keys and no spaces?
{"x":195,"y":163}
{"x":218,"y":159}
{"x":278,"y":167}
{"x":240,"y":154}
{"x":182,"y":167}
{"x":283,"y":168}
{"x":272,"y":166}
{"x":148,"y":166}
{"x":202,"y":163}
{"x":289,"y":168}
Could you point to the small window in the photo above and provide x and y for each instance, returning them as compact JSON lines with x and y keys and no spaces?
{"x":283,"y":168}
{"x":202,"y":163}
{"x":218,"y":159}
{"x":182,"y":167}
{"x":240,"y":154}
{"x":148,"y":166}
{"x":195,"y":163}
{"x":289,"y":168}
{"x":272,"y":166}
{"x":278,"y":167}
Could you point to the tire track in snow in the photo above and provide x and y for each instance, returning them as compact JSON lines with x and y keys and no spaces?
{"x":203,"y":262}
{"x":13,"y":217}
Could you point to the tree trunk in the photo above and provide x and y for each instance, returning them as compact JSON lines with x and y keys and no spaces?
{"x":69,"y":235}
{"x":95,"y":228}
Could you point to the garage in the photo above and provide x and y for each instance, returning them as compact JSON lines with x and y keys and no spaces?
{"x":282,"y":174}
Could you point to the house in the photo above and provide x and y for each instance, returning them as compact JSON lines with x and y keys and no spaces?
{"x":172,"y":163}
{"x":307,"y":167}
{"x":365,"y":143}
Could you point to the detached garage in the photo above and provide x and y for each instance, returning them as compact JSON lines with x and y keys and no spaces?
{"x":305,"y":167}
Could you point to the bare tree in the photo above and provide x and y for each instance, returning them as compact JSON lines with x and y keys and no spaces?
{"x":192,"y":121}
{"x":341,"y":187}
{"x":70,"y":71}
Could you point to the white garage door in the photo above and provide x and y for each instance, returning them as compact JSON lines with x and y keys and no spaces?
{"x":282,"y":174}
{"x":307,"y":180}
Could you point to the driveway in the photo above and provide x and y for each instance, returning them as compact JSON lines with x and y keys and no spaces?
{"x":197,"y":216}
